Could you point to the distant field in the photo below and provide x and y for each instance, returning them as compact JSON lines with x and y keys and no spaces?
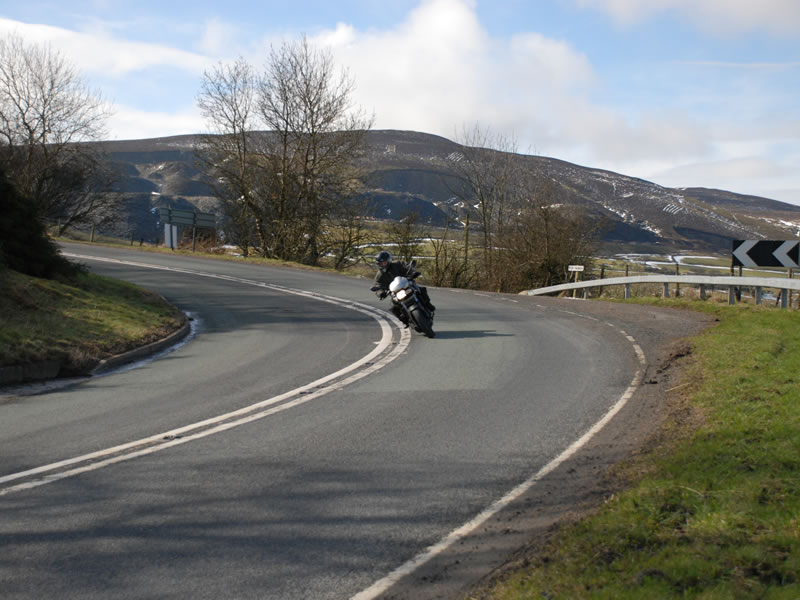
{"x":686,"y":264}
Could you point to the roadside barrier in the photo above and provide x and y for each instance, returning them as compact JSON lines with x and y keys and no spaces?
{"x":705,"y":283}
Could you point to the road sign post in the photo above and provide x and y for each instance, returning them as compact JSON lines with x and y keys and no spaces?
{"x":575,"y":269}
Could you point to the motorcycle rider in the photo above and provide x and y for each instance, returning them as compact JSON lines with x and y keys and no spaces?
{"x":387,"y":271}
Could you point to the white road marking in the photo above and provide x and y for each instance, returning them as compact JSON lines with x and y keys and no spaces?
{"x":382,"y":585}
{"x":375,"y":360}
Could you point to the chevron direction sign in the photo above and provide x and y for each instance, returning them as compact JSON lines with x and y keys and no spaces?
{"x":766,"y":253}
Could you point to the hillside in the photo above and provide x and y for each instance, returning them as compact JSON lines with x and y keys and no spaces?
{"x":410,"y":171}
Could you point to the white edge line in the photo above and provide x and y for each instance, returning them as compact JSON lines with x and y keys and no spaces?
{"x":386,"y":337}
{"x":429,"y":553}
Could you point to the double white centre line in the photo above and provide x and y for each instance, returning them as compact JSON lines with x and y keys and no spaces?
{"x":385,"y":351}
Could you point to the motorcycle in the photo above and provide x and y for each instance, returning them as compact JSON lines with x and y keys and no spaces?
{"x":407,"y":294}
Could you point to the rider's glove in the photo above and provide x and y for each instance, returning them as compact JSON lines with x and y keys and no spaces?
{"x":384,"y":294}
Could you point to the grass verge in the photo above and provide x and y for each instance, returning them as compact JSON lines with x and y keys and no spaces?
{"x":716,"y":514}
{"x":77,"y":322}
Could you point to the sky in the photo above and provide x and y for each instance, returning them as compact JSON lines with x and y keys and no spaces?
{"x":683,"y":93}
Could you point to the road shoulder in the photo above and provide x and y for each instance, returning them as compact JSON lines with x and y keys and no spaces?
{"x":514,"y":536}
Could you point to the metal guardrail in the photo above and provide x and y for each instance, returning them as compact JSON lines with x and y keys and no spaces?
{"x":704,"y":281}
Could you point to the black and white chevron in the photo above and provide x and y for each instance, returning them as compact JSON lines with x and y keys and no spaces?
{"x":766,"y":253}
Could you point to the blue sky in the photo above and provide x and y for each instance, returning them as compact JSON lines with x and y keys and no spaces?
{"x":679,"y":92}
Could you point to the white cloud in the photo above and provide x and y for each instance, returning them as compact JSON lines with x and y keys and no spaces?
{"x":755,"y":175}
{"x":439,"y":71}
{"x":742,"y":168}
{"x":98,"y":53}
{"x":425,"y":74}
{"x":218,"y":37}
{"x":129,"y":123}
{"x":720,"y":16}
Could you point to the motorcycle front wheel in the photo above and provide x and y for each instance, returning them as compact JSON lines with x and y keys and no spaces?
{"x":423,"y":322}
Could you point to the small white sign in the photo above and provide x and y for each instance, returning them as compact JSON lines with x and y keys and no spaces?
{"x":576,"y":267}
{"x":170,"y":236}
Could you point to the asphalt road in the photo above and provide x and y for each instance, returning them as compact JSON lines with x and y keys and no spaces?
{"x":216,"y":471}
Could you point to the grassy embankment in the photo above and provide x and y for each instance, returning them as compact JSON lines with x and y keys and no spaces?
{"x":77,"y":322}
{"x":89,"y":318}
{"x":716,"y":513}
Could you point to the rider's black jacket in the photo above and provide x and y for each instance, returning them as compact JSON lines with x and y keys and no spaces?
{"x":393,"y":269}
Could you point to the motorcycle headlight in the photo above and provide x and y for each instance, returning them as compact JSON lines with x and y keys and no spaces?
{"x":402,"y":294}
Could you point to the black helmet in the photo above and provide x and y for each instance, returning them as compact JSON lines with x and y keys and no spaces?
{"x":383,"y":259}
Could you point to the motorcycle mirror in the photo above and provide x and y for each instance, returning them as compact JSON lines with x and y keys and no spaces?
{"x":414,"y":263}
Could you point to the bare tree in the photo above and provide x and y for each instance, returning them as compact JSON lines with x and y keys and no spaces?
{"x":528,"y":234}
{"x":547,"y":235}
{"x":317,"y":136}
{"x":284,"y":146}
{"x":47,"y":117}
{"x":228,"y":154}
{"x":490,"y":176}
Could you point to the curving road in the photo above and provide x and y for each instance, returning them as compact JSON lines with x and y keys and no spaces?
{"x":300,"y":445}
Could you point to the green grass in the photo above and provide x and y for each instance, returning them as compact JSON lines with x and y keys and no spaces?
{"x":77,"y":322}
{"x":716,"y":515}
